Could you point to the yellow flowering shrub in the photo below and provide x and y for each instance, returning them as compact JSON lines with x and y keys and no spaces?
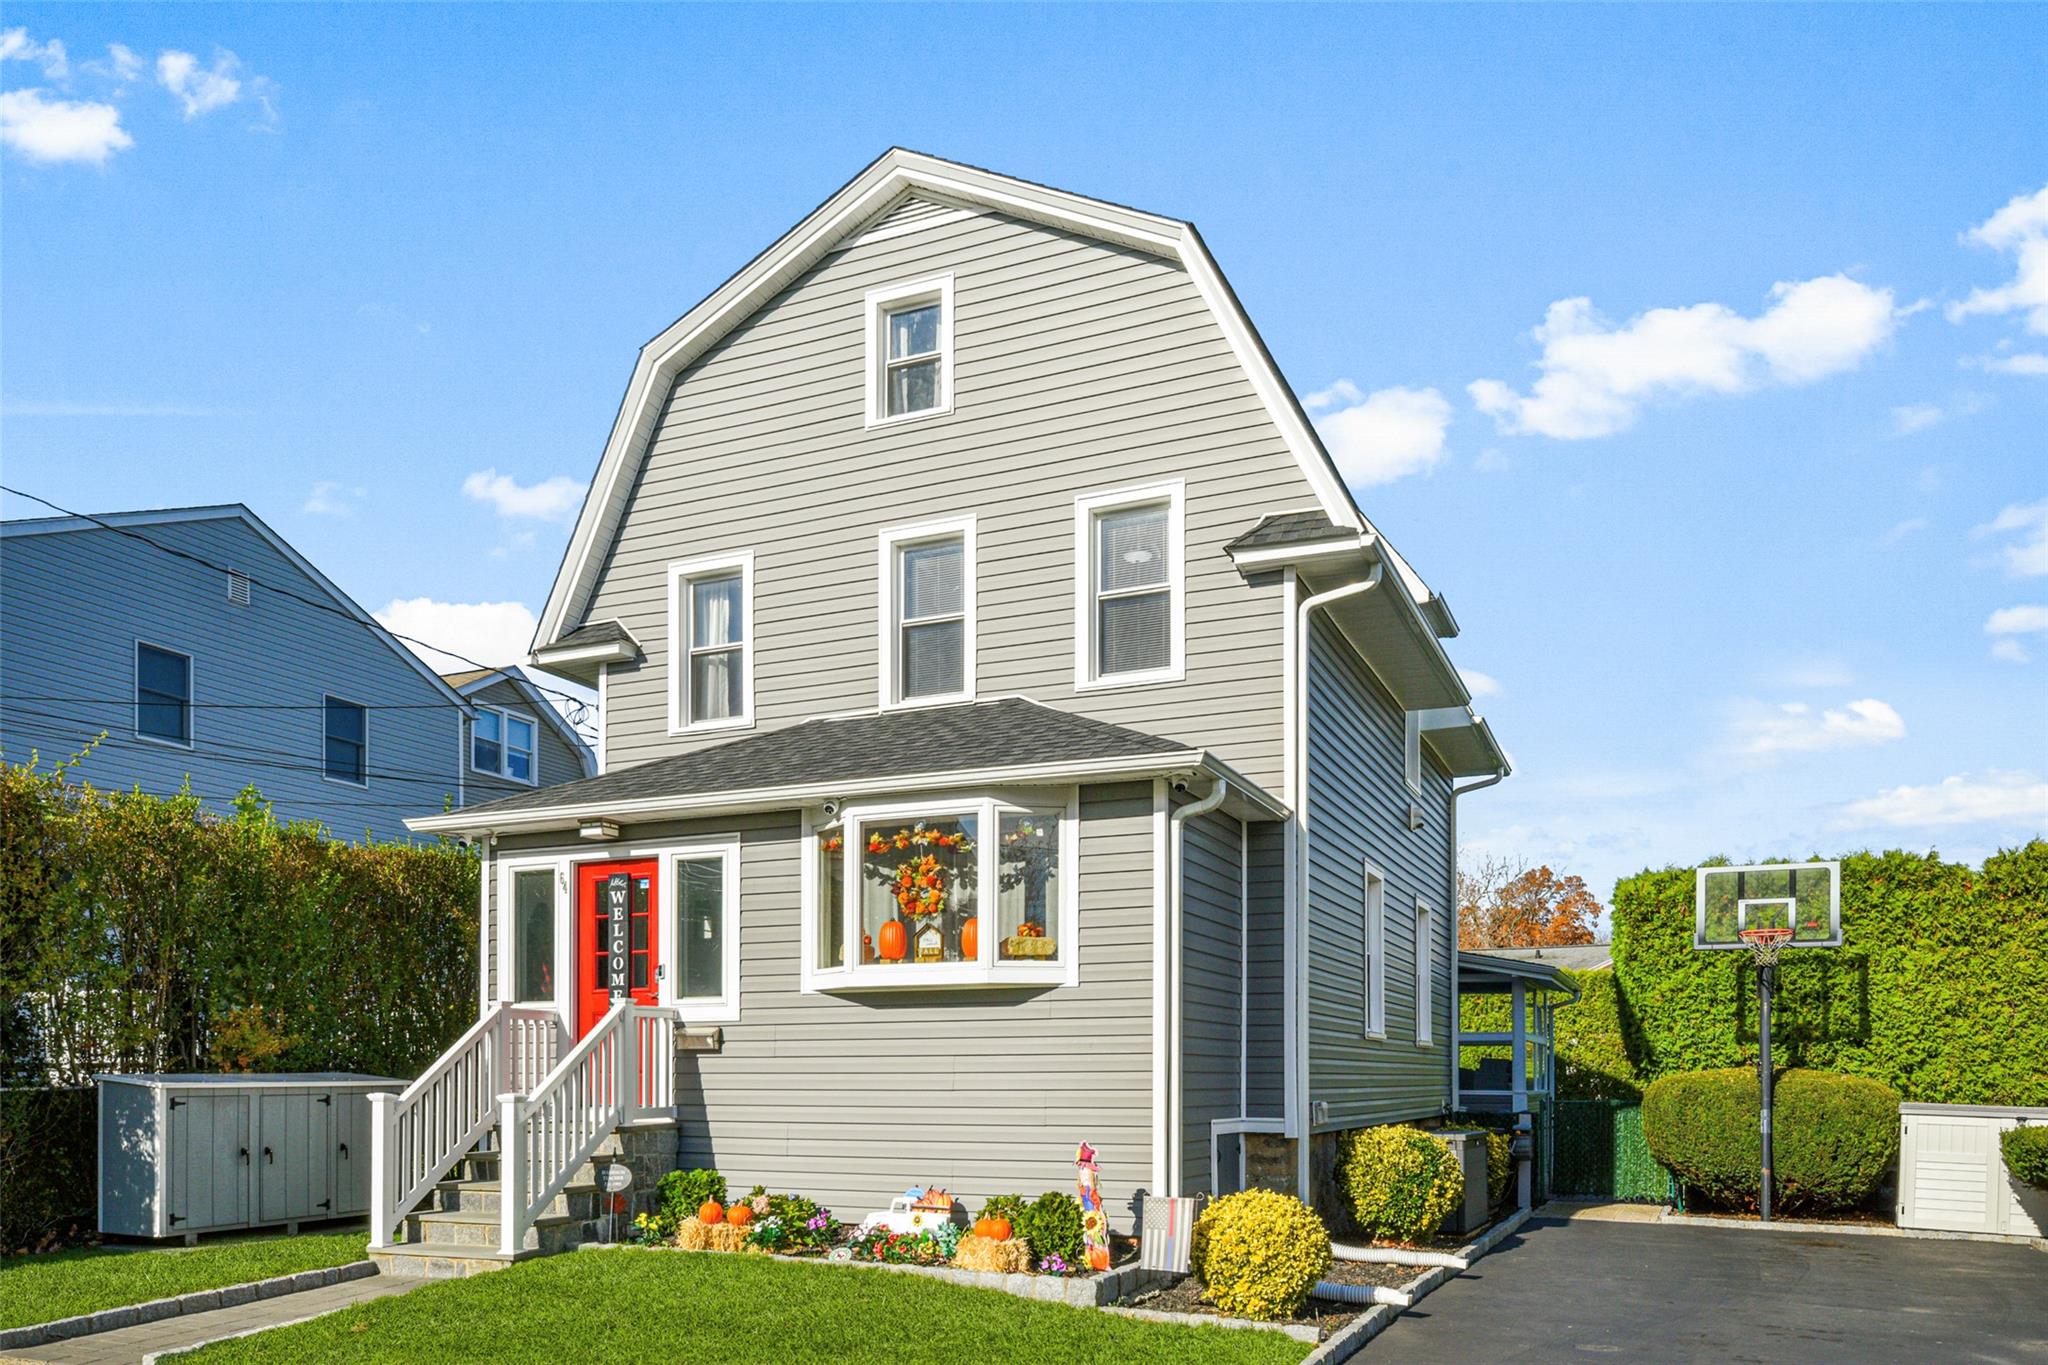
{"x":1401,"y":1183}
{"x":1258,"y":1253}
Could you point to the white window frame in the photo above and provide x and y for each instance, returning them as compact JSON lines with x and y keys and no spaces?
{"x":508,"y":936}
{"x":1373,"y":938}
{"x":504,"y":769}
{"x":326,"y":776}
{"x":895,"y":298}
{"x":1411,"y":751}
{"x":1088,"y":508}
{"x":191,"y":740}
{"x":680,"y":574}
{"x":1425,"y":973}
{"x":725,"y":1007}
{"x":988,"y":970}
{"x":890,"y":543}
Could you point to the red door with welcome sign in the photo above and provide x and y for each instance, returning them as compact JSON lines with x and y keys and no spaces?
{"x":631,"y":887}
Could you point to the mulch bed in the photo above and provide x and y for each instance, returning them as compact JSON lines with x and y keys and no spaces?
{"x":1185,"y":1296}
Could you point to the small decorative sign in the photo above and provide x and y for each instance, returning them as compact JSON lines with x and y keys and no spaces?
{"x":931,"y":942}
{"x":618,"y":932}
{"x":617,"y":1178}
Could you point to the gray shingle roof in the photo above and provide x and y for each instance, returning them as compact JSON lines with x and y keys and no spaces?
{"x":594,"y":633}
{"x":981,"y":735}
{"x":1287,"y":528}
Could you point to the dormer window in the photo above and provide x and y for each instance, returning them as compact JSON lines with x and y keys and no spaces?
{"x":910,"y":350}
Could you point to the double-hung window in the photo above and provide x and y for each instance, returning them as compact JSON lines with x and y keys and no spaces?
{"x":502,"y":744}
{"x":345,"y":756}
{"x":926,"y":604}
{"x":1373,"y":966}
{"x":910,"y":350}
{"x":711,"y":634}
{"x":1129,"y":587}
{"x":163,"y":694}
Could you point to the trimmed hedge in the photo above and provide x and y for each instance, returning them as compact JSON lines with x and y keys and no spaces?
{"x":1400,"y":1183}
{"x":49,"y":1174}
{"x":1834,"y":1136}
{"x":2026,"y":1154}
{"x":1940,"y":989}
{"x":1259,"y":1253}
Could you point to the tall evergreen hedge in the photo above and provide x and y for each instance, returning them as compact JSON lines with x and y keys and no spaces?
{"x":1940,"y":989}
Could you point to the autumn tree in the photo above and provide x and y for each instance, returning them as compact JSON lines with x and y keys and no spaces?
{"x":1507,"y":904}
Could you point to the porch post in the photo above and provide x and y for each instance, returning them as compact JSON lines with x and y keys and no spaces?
{"x":511,"y":1176}
{"x":383,"y":1138}
{"x":1519,"y":1064}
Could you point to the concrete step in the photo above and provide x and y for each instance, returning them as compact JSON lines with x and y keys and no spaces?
{"x":427,"y":1261}
{"x":463,"y":1231}
{"x":576,"y":1200}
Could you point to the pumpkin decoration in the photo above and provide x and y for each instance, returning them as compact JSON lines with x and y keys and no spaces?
{"x":970,"y":938}
{"x":895,"y":941}
{"x":739,"y":1215}
{"x":710,"y":1212}
{"x":995,"y":1229}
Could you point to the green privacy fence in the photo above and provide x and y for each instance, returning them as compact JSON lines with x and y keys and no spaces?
{"x":1599,"y":1153}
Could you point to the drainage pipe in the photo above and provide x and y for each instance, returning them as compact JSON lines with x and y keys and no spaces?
{"x":1362,"y":1293}
{"x":1399,"y":1256}
{"x":1176,"y":826}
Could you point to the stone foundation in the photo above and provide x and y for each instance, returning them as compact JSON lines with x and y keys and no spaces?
{"x":650,"y":1151}
{"x":1269,"y":1162}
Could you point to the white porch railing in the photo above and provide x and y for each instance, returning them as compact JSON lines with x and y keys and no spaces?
{"x":418,"y":1135}
{"x":601,"y":1085}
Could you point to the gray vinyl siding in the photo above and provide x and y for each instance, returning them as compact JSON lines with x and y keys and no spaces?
{"x":76,"y":602}
{"x":850,"y":1098}
{"x":1078,"y":367}
{"x":1358,"y":812}
{"x":557,"y":759}
{"x":1266,"y":1050}
{"x":1212,"y":966}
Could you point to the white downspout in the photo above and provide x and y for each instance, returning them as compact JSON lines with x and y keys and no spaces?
{"x":1175,"y":884}
{"x":1457,"y":1008}
{"x":1298,"y":1118}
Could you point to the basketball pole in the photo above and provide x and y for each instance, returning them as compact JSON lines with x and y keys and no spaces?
{"x":1764,"y":983}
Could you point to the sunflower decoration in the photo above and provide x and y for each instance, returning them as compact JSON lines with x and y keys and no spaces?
{"x":921,"y":882}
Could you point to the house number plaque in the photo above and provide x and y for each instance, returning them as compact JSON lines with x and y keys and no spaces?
{"x":618,"y":928}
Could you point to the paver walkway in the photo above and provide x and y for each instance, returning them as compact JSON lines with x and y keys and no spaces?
{"x":131,"y":1344}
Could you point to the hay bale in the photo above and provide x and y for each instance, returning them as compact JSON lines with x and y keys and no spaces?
{"x":694,"y":1234}
{"x":986,"y":1253}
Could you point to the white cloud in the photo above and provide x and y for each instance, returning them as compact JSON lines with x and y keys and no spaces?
{"x":1915,"y":417}
{"x":1900,"y":530}
{"x":54,"y":130}
{"x":2004,"y":798}
{"x":548,"y":500}
{"x":2026,"y":363}
{"x":330,"y":499}
{"x":2021,"y":228}
{"x":125,"y":63}
{"x":199,"y":89}
{"x":17,"y":46}
{"x":1763,"y":731}
{"x":2008,"y":623}
{"x":2010,"y":651}
{"x":459,"y":635}
{"x":1480,"y":684}
{"x":1382,"y":436}
{"x":2026,"y":555}
{"x":1596,"y":376}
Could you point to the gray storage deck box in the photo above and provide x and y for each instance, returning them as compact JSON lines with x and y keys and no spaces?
{"x":185,"y":1154}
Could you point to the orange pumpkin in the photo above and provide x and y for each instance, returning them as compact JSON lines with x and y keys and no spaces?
{"x":997,"y":1229}
{"x":895,"y":942}
{"x":739,"y":1215}
{"x":710,"y":1212}
{"x":970,"y":938}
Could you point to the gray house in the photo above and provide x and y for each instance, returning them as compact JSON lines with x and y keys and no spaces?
{"x":1014,"y":735}
{"x":209,"y":652}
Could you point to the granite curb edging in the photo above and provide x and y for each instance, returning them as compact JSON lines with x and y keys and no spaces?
{"x":1352,"y":1339}
{"x":1693,"y":1220}
{"x":199,"y":1301}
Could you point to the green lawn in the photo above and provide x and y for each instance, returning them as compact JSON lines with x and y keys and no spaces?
{"x":624,"y":1305}
{"x":63,"y":1284}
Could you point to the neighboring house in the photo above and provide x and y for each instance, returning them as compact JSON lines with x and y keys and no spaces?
{"x":210,"y":653}
{"x":972,"y":522}
{"x":514,"y":738}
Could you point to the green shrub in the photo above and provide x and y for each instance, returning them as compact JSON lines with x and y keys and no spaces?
{"x":1400,"y":1183}
{"x":1833,"y":1136}
{"x":684,"y":1192}
{"x":1051,"y":1223}
{"x":1258,"y":1253}
{"x":1010,"y":1206}
{"x":2026,"y":1154}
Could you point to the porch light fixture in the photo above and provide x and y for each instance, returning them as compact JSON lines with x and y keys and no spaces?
{"x":597,"y":830}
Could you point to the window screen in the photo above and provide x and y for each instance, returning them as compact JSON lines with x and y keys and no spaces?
{"x":1134,"y":596}
{"x":933,"y":626}
{"x":913,"y":364}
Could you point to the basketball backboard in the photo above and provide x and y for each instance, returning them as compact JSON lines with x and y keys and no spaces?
{"x":1805,"y":897}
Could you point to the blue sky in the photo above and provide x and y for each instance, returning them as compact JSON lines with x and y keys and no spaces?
{"x":1748,"y":532}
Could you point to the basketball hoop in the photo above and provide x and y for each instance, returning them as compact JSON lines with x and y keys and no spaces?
{"x":1765,"y":941}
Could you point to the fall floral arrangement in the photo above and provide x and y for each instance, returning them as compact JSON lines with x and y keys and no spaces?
{"x":920,"y":882}
{"x":935,"y":1247}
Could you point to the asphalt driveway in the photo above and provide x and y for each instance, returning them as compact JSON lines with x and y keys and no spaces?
{"x":1657,"y":1292}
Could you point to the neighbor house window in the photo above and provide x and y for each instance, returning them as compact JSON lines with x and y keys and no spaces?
{"x":1373,"y":942}
{"x":963,"y":893}
{"x":1425,"y":971}
{"x":503,"y":744}
{"x":1411,"y":752}
{"x":346,"y":757}
{"x":910,"y":350}
{"x":163,"y":694}
{"x":533,"y":934}
{"x":711,"y":635}
{"x":927,"y":609}
{"x":706,"y":891}
{"x":1128,"y":590}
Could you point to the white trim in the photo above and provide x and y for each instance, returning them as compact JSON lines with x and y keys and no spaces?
{"x":1244,"y":971}
{"x":684,"y":571}
{"x":483,"y":927}
{"x":1294,"y":553}
{"x":725,"y":851}
{"x":326,"y":776}
{"x":1294,"y":1054}
{"x":1088,"y":509}
{"x":611,"y":652}
{"x":890,"y":542}
{"x":604,"y":707}
{"x":191,"y":740}
{"x":586,"y":758}
{"x":1161,"y":1035}
{"x":1411,"y":750}
{"x":877,"y":307}
{"x":1425,"y":974}
{"x":506,"y":716}
{"x":508,"y":870}
{"x":883,"y":234}
{"x":1373,"y":939}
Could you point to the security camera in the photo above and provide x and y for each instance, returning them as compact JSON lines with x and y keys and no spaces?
{"x":1180,"y":786}
{"x":832,"y":807}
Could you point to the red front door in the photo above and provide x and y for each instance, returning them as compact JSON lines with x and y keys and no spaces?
{"x":597,"y":884}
